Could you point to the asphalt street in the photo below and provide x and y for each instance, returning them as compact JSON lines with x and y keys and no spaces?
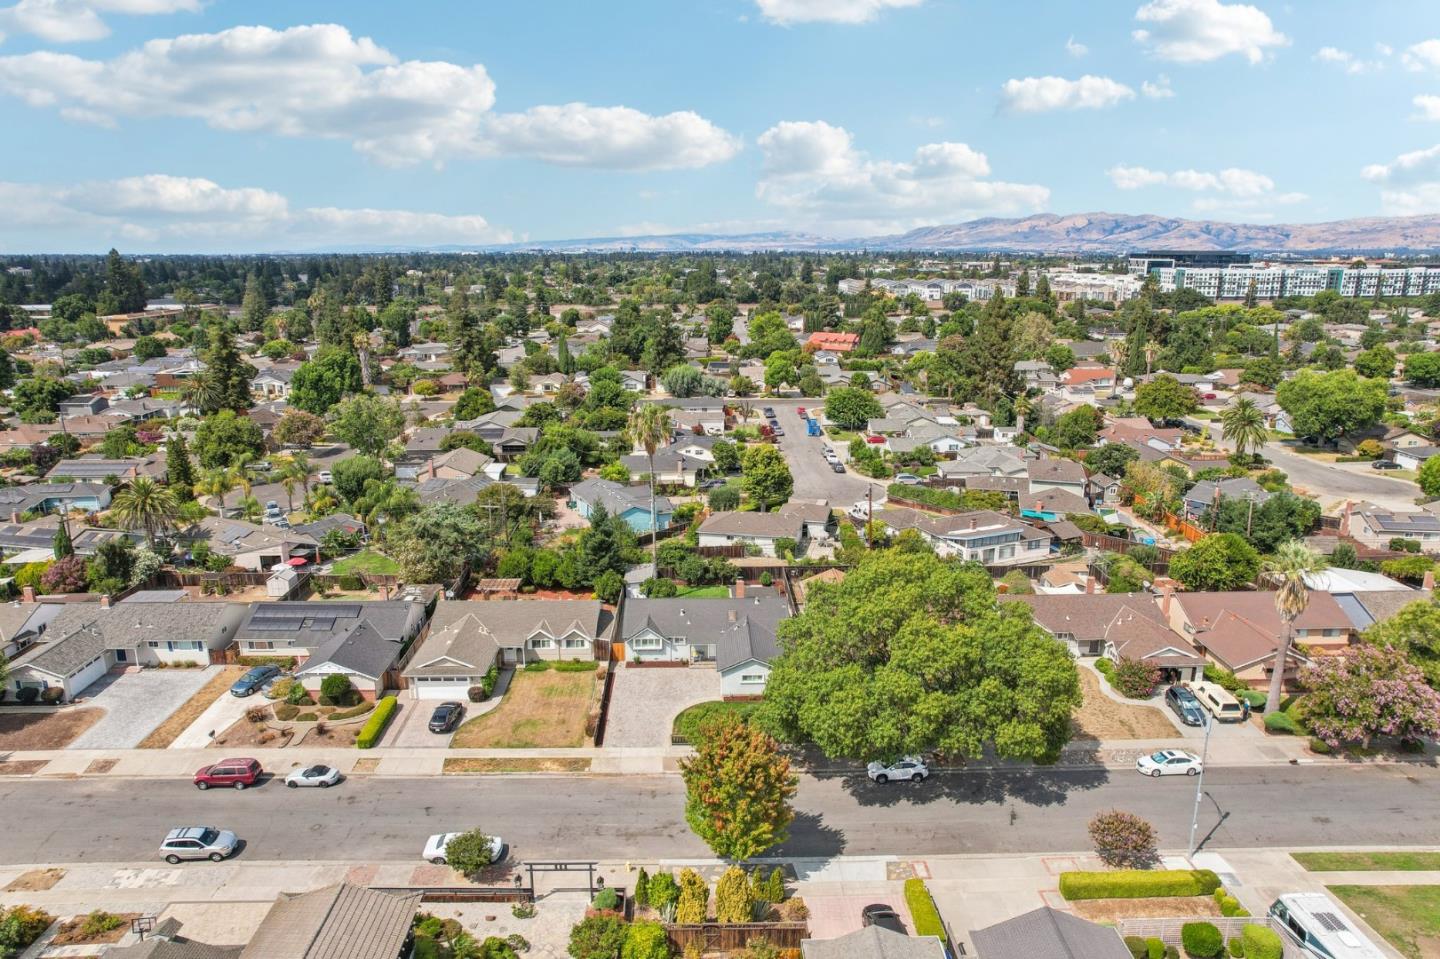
{"x":371,"y":819}
{"x":814,"y":479}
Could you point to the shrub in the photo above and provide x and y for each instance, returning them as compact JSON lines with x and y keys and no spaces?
{"x":1319,"y":746}
{"x":794,"y":910}
{"x":285,"y":712}
{"x":606,"y":899}
{"x":1135,"y":678}
{"x":1137,"y":947}
{"x":539,"y":666}
{"x":775,"y":886}
{"x":766,"y":579}
{"x":336,"y":688}
{"x":353,"y":711}
{"x":641,"y":895}
{"x":297,"y":695}
{"x":52,"y":695}
{"x":645,"y":940}
{"x":20,"y":926}
{"x":523,"y":910}
{"x":307,"y":717}
{"x":1201,"y":940}
{"x":1123,"y":840}
{"x":470,"y":852}
{"x":375,"y":725}
{"x":1261,"y":942}
{"x":733,"y":901}
{"x":694,"y":897}
{"x":600,"y":936}
{"x":923,"y":911}
{"x":1155,"y":948}
{"x":27,"y":695}
{"x":98,"y":922}
{"x":1105,"y":668}
{"x":476,"y":694}
{"x":1237,"y":948}
{"x":1138,"y":883}
{"x":662,"y":890}
{"x":1230,"y":906}
{"x":1281,"y":724}
{"x":573,"y":666}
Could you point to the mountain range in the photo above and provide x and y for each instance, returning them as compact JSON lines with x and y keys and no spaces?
{"x":1046,"y":233}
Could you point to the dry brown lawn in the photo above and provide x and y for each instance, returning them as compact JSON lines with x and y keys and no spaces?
{"x":19,"y":731}
{"x":72,"y":932}
{"x":1100,"y":717}
{"x":1162,"y":907}
{"x":367,"y":765}
{"x":180,"y":720}
{"x":22,"y":767}
{"x":36,"y":880}
{"x":461,"y":767}
{"x":252,"y":735}
{"x":540,"y":710}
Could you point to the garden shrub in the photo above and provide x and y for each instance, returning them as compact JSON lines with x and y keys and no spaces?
{"x":488,"y":681}
{"x":733,"y":901}
{"x":1281,"y":724}
{"x":775,"y":886}
{"x":98,"y":922}
{"x":1201,"y":940}
{"x":794,"y":910}
{"x":1155,"y":948}
{"x":359,"y":710}
{"x":1320,"y":746}
{"x":641,"y":895}
{"x":375,"y":725}
{"x":1138,"y":883}
{"x":645,"y":940}
{"x":574,"y":666}
{"x":476,"y":694}
{"x":1261,"y":942}
{"x":1230,"y":906}
{"x":336,"y":688}
{"x":1137,"y":947}
{"x":694,"y":897}
{"x":1135,"y":678}
{"x":285,"y":712}
{"x":20,"y":926}
{"x":52,"y":695}
{"x":1237,"y":948}
{"x":308,"y":718}
{"x":662,"y":890}
{"x":1123,"y":840}
{"x":922,"y":910}
{"x":27,"y":695}
{"x":600,"y":936}
{"x":606,"y":899}
{"x":539,"y":666}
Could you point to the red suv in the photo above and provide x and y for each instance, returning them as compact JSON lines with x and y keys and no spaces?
{"x":237,"y":773}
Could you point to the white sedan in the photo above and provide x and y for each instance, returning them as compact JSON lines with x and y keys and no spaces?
{"x":1169,"y":762}
{"x":435,"y":847}
{"x":911,"y":768}
{"x":322,"y":776}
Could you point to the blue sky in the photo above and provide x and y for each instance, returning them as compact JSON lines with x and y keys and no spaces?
{"x":207,"y":125}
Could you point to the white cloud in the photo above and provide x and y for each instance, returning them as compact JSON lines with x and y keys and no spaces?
{"x":786,"y":12}
{"x":1041,"y":94}
{"x":813,"y":172}
{"x":1159,"y":90}
{"x":1197,"y":31}
{"x":1229,"y":191}
{"x":1075,"y":48}
{"x":1424,"y":55}
{"x":1409,"y":184}
{"x":1429,"y":106}
{"x":320,"y":81}
{"x":165,"y":211}
{"x":1348,"y":62}
{"x":71,"y":21}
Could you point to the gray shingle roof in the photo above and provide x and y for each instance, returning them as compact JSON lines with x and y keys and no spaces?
{"x":1049,"y":933}
{"x":82,"y":631}
{"x":873,"y":942}
{"x":311,"y":624}
{"x":337,"y":922}
{"x":469,"y":634}
{"x":616,"y":498}
{"x":360,"y":650}
{"x":741,"y":629}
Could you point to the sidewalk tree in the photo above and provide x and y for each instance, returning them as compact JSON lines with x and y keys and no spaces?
{"x":1377,"y":362}
{"x":1218,"y":562}
{"x":1123,"y":840}
{"x":1423,"y":369}
{"x":1327,"y":406}
{"x":1429,"y":477}
{"x":1414,"y":630}
{"x":1366,"y":692}
{"x":228,"y":439}
{"x":738,"y":788}
{"x":912,"y":654}
{"x":470,"y":852}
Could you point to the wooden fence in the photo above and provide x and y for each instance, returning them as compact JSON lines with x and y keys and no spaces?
{"x":733,"y":937}
{"x":1115,"y":544}
{"x":733,"y":551}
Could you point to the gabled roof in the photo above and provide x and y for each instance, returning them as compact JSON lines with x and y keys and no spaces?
{"x":337,"y":922}
{"x":616,"y":498}
{"x":742,"y":629}
{"x":360,"y":650}
{"x":1048,"y":933}
{"x":465,"y":636}
{"x":763,"y":525}
{"x":874,"y":942}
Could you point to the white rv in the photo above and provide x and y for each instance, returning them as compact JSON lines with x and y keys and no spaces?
{"x":1318,"y":926}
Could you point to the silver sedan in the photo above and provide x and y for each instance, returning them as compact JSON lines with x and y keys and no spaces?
{"x":322,"y":776}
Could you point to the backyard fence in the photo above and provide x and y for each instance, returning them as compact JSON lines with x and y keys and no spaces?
{"x":1116,"y":544}
{"x":734,"y":937}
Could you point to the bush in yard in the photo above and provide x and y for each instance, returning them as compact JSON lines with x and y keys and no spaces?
{"x":1137,"y":947}
{"x":641,"y":895}
{"x":645,"y":940}
{"x":1105,"y":668}
{"x":98,"y":922}
{"x":1201,"y":940}
{"x":694,"y":900}
{"x":1237,"y":948}
{"x":1138,"y":884}
{"x":1155,"y":948}
{"x":52,"y":695}
{"x":922,"y":910}
{"x":374,"y":726}
{"x":469,"y":852}
{"x":20,"y":926}
{"x":775,"y":886}
{"x":1261,"y":942}
{"x":1123,"y":840}
{"x":794,"y":910}
{"x":662,"y":890}
{"x":733,"y":902}
{"x":600,"y":936}
{"x":1135,"y":678}
{"x":606,"y":900}
{"x":1281,"y":724}
{"x":336,"y":688}
{"x":476,"y":694}
{"x":27,"y":695}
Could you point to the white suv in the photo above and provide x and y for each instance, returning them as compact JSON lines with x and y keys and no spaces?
{"x":911,"y":768}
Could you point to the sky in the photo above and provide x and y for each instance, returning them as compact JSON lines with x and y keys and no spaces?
{"x":256,"y":125}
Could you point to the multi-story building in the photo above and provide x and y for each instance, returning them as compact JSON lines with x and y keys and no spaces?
{"x":1234,"y":282}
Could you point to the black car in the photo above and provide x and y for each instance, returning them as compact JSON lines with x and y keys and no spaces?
{"x":255,"y":679}
{"x":1384,"y":465}
{"x":1185,"y":705}
{"x":837,"y":467}
{"x":769,"y":412}
{"x":445,"y":717}
{"x":879,"y":914}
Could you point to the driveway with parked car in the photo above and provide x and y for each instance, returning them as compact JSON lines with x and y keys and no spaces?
{"x":135,"y":703}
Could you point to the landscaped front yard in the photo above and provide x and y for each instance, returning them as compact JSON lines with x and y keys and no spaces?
{"x":540,"y":710}
{"x":688,"y":723}
{"x":1407,"y":916}
{"x":19,"y":731}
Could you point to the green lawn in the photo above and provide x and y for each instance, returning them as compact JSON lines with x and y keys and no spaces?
{"x":687,"y":724}
{"x":1367,"y":861}
{"x":704,"y":592}
{"x":366,"y":561}
{"x":1408,"y":917}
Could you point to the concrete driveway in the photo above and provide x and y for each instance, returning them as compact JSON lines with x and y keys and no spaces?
{"x":644,"y":702}
{"x":135,"y":703}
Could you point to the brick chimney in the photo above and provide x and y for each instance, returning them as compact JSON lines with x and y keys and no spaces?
{"x":1089,"y":583}
{"x":974,"y":523}
{"x":104,"y":600}
{"x":739,"y":587}
{"x":27,"y":594}
{"x":1165,"y":593}
{"x":1429,"y":581}
{"x":1039,"y":506}
{"x":14,"y":516}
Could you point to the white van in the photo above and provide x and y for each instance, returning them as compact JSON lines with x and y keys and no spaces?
{"x":1217,"y":702}
{"x":1318,"y":926}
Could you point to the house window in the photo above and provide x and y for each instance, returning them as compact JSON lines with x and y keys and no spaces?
{"x":752,"y":678}
{"x":259,"y":645}
{"x":646,"y":642}
{"x":544,"y":643}
{"x":576,"y":643}
{"x":1331,"y":633}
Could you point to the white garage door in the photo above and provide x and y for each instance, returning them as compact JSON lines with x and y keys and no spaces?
{"x":441,"y":687}
{"x":90,"y":672}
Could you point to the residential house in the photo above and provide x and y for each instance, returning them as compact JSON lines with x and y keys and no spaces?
{"x":54,"y":498}
{"x":671,"y":466}
{"x":1239,"y":631}
{"x":1057,"y":474}
{"x":360,"y":654}
{"x":1138,"y":432}
{"x":1116,"y":626}
{"x":630,"y":503}
{"x":251,"y":546}
{"x":273,"y":383}
{"x":95,"y":468}
{"x":1207,"y":494}
{"x":833,"y":341}
{"x":1102,"y":489}
{"x":983,"y":536}
{"x":299,"y":629}
{"x":467,"y":638}
{"x":1006,"y":461}
{"x":341,"y":921}
{"x":1367,"y":607}
{"x":1049,"y":933}
{"x":759,"y":531}
{"x":876,"y":942}
{"x":736,"y":633}
{"x":1083,"y":382}
{"x":1037,"y":374}
{"x":35,"y":541}
{"x":1413,"y":457}
{"x":1376,"y":528}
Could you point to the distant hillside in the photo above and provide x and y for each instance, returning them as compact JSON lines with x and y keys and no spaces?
{"x":678,"y":243}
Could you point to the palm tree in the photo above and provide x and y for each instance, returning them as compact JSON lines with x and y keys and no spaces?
{"x":1024,"y":409}
{"x":250,"y":508}
{"x":1152,"y":350}
{"x":145,"y":503}
{"x":215,"y":483}
{"x":649,"y":427}
{"x":202,"y":391}
{"x":294,"y":468}
{"x":1244,"y":424}
{"x":1287,"y":569}
{"x":1118,"y":350}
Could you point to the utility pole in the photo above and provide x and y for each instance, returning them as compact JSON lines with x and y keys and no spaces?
{"x":869,"y":514}
{"x":1200,"y":782}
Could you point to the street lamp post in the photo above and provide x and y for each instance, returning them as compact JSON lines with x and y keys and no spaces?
{"x":1200,"y":781}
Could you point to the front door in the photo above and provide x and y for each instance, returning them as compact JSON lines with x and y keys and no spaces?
{"x":510,"y":655}
{"x":122,"y":656}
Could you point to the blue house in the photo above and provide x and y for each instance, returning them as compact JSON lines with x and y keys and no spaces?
{"x":632,"y":503}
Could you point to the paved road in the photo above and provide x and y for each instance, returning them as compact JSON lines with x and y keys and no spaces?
{"x":814,"y":479}
{"x":573,"y":817}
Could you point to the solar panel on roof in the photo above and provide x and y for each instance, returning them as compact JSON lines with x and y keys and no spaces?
{"x":277,"y":624}
{"x":342,"y":610}
{"x":322,"y":624}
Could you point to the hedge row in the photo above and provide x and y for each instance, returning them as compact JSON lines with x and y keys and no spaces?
{"x":1138,"y":883}
{"x":922,"y":910}
{"x":929,"y":495}
{"x":375,"y":725}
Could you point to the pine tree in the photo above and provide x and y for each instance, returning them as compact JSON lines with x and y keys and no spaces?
{"x":641,"y":895}
{"x":228,"y":373}
{"x":178,"y":466}
{"x":63,"y":546}
{"x":563,"y":360}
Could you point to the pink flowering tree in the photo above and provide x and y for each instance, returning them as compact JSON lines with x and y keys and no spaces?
{"x":1123,"y":840}
{"x":1369,"y":691}
{"x":67,"y":575}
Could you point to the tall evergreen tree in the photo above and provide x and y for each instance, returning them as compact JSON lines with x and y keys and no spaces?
{"x":179,"y":467}
{"x":228,"y":373}
{"x":987,"y":362}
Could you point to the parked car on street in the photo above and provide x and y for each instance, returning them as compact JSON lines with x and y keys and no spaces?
{"x":837,"y":467}
{"x":911,"y":768}
{"x":322,"y":776}
{"x":325,"y":476}
{"x":435,"y":847}
{"x":909,"y":479}
{"x":235,"y":773}
{"x":1183,"y":703}
{"x":801,"y":411}
{"x":198,"y":842}
{"x":884,"y":916}
{"x":769,"y":412}
{"x":446,"y":717}
{"x":255,"y":679}
{"x":1384,"y":465}
{"x":1168,"y":762}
